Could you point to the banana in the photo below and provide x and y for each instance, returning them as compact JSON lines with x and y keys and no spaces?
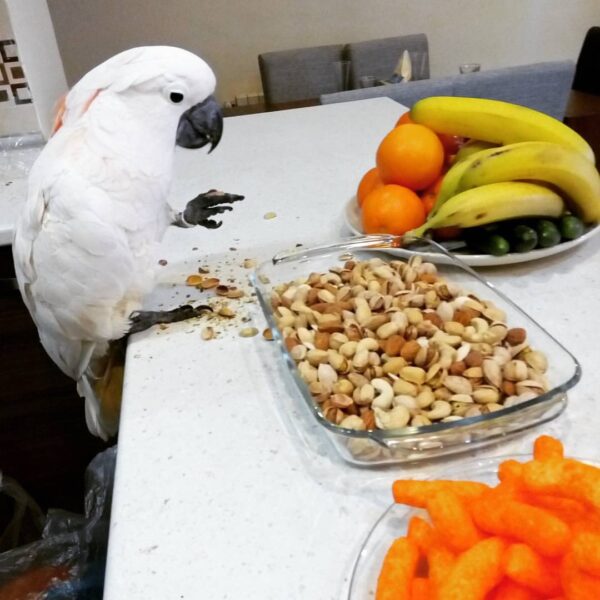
{"x":470,"y":148}
{"x":452,"y":178}
{"x":575,"y":177}
{"x":495,"y":121}
{"x":495,"y":202}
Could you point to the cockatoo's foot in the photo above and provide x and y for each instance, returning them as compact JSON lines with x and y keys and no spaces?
{"x":199,"y":210}
{"x":144,"y":319}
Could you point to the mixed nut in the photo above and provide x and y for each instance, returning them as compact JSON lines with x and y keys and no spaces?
{"x":385,"y":345}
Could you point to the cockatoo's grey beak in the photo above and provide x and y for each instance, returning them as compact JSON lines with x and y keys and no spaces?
{"x":200,"y":125}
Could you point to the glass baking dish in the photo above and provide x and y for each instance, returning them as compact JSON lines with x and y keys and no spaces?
{"x":376,"y":447}
{"x":393,"y":523}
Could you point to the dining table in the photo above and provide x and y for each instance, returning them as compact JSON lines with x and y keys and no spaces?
{"x":226,"y":487}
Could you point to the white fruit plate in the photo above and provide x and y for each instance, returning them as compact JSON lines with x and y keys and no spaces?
{"x":353,"y":222}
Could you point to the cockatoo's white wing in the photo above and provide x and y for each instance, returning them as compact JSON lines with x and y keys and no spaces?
{"x":75,"y":267}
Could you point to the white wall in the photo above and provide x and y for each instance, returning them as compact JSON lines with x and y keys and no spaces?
{"x":230,"y":34}
{"x":14,"y":118}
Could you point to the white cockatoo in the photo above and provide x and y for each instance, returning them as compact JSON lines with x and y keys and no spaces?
{"x":85,"y":245}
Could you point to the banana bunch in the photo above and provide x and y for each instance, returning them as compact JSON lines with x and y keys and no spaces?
{"x":519,"y":163}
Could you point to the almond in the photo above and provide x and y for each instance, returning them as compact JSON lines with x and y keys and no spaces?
{"x":474,"y":359}
{"x":393,"y":345}
{"x":410,"y":350}
{"x":322,"y":340}
{"x":464,"y":315}
{"x":515,"y":336}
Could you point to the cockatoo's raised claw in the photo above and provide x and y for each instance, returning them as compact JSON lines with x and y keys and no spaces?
{"x":199,"y":210}
{"x":144,"y":319}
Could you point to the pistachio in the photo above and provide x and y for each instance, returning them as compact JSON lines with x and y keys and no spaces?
{"x":353,"y":422}
{"x":492,"y":372}
{"x":473,"y":373}
{"x":208,"y":333}
{"x":458,"y":385}
{"x":420,"y":421}
{"x":361,"y":359}
{"x":348,"y":349}
{"x":248,"y":332}
{"x":486,"y":394}
{"x":536,"y":360}
{"x":413,"y":375}
{"x":515,"y":370}
{"x":529,"y":385}
{"x":341,"y":400}
{"x":299,"y":352}
{"x":394,"y":365}
{"x":425,"y":398}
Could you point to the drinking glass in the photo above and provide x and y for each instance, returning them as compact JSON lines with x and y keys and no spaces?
{"x":367,"y":81}
{"x":469,"y":68}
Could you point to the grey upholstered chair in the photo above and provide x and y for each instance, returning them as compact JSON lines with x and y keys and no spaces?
{"x":379,"y":57}
{"x":299,"y":74}
{"x":542,"y":86}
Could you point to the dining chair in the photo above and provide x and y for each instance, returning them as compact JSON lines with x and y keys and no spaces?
{"x":378,"y":58}
{"x":299,"y":74}
{"x":587,"y":75}
{"x":541,"y":86}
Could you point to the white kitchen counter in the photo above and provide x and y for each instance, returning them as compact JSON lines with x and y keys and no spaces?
{"x":225,"y":487}
{"x":17,"y":155}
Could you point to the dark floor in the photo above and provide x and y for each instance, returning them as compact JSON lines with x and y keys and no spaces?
{"x":44,"y":443}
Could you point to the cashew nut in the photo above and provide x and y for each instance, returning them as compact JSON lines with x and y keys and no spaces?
{"x":440,"y":409}
{"x":385,"y":393}
{"x":396,"y":418}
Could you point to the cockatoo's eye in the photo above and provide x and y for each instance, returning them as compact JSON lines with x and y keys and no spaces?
{"x":176,"y":97}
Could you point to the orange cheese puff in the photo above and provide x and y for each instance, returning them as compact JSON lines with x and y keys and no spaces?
{"x":528,"y":568}
{"x":509,"y":590}
{"x":420,"y":589}
{"x":577,"y":585}
{"x":537,"y":527}
{"x":586,"y":552}
{"x":421,"y":533}
{"x":510,"y":471}
{"x":415,"y":493}
{"x":569,"y":478}
{"x":564,"y":508}
{"x":546,"y":447}
{"x":397,"y":571}
{"x":452,"y":521}
{"x":441,"y":561}
{"x":475,"y":573}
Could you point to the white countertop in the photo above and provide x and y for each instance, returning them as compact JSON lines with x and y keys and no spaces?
{"x":17,"y":155}
{"x":225,"y":487}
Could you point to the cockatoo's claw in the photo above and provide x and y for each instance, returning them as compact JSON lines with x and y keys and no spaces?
{"x":144,"y":319}
{"x":199,"y":210}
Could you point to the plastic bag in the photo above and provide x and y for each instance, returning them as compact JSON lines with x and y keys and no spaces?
{"x":68,"y":562}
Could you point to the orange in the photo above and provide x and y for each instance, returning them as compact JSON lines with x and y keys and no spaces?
{"x":392,"y":209}
{"x":369,"y":182}
{"x":404,"y":119}
{"x":428,"y":202}
{"x":410,"y":155}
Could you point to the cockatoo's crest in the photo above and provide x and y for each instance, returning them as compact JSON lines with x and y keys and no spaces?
{"x":160,"y":69}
